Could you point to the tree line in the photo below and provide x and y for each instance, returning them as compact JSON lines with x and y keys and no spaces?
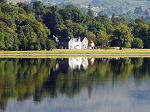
{"x":31,"y":27}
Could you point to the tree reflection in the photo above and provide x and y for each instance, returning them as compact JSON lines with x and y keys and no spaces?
{"x":39,"y":78}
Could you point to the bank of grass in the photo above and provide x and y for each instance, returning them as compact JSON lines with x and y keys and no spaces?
{"x":89,"y":56}
{"x":86,"y":51}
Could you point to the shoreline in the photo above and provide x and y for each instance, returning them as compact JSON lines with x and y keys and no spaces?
{"x":44,"y":56}
{"x":75,"y":54}
{"x":37,"y":55}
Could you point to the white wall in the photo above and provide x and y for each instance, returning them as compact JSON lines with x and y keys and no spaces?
{"x":75,"y":45}
{"x":78,"y":44}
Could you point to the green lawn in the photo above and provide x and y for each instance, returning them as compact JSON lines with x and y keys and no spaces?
{"x":65,"y":53}
{"x":88,"y":51}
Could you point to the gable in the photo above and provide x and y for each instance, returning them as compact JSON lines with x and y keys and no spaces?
{"x":85,"y":41}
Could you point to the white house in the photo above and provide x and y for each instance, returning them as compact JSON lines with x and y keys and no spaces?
{"x":72,"y":43}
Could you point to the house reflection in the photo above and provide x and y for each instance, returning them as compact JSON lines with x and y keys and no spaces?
{"x":78,"y":63}
{"x":73,"y":63}
{"x":61,"y":63}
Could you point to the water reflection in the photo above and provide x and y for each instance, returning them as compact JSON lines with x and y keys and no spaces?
{"x":107,"y":82}
{"x":73,"y":63}
{"x":78,"y":63}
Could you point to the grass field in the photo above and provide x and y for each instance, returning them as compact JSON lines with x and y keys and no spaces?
{"x":42,"y":57}
{"x":65,"y":53}
{"x":87,"y":51}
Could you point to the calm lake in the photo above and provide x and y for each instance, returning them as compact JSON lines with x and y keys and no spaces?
{"x":75,"y":85}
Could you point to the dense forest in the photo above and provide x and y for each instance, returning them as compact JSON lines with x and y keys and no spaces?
{"x":31,"y":27}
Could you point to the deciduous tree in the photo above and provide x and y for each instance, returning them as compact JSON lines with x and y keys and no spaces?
{"x":137,"y":43}
{"x":122,"y":36}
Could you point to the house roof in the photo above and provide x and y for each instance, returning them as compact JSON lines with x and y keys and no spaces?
{"x":76,"y":39}
{"x":64,"y":39}
{"x":68,"y":39}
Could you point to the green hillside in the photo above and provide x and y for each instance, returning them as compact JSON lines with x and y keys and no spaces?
{"x":108,"y":7}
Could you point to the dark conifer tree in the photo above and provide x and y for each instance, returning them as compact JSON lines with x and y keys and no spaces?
{"x":90,"y":13}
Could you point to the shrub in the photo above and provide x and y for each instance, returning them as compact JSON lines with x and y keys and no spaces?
{"x":50,"y":44}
